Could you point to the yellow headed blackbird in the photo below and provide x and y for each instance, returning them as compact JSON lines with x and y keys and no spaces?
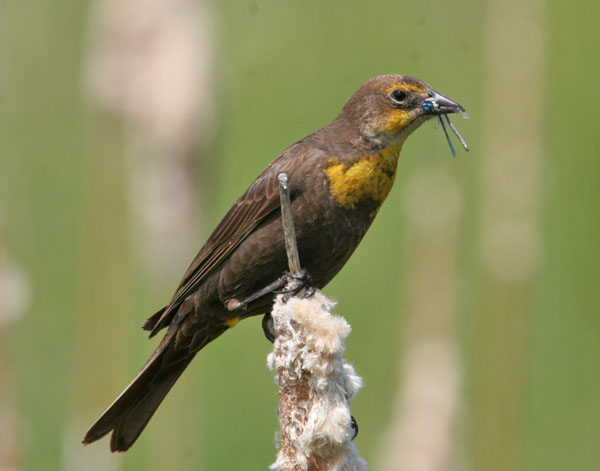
{"x":338,"y":179}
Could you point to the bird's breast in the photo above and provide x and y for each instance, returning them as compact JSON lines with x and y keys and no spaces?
{"x":366,"y":178}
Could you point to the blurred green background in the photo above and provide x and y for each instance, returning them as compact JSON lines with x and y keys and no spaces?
{"x":473,"y":299}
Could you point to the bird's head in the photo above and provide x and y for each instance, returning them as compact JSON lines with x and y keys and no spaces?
{"x":386,"y":109}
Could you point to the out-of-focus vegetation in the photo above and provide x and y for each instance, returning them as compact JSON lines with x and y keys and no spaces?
{"x":493,"y":254}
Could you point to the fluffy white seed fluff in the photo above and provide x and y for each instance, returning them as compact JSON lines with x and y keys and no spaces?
{"x":316,"y":387}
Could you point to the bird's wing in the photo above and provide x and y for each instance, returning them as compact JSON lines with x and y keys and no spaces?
{"x":258,"y":201}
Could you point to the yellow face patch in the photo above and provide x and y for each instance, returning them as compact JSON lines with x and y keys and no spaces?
{"x":232,"y":322}
{"x":370,"y":177}
{"x":393,"y":120}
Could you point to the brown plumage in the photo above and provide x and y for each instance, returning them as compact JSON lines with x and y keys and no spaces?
{"x":338,"y":178}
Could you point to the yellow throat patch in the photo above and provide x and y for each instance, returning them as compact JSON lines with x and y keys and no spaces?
{"x":370,"y":177}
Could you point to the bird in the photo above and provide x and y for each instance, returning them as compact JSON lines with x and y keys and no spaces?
{"x":338,"y":178}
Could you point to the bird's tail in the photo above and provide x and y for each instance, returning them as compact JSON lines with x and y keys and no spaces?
{"x":130,"y":412}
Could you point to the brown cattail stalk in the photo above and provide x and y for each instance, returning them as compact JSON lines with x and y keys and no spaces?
{"x":316,"y":385}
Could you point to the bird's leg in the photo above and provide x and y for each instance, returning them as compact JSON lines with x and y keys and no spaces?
{"x":235,"y":304}
{"x":299,"y":281}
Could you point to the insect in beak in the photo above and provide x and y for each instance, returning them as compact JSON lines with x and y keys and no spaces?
{"x":442,"y":106}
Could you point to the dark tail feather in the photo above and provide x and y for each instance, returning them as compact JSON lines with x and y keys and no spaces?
{"x":151,"y":322}
{"x":131,"y":411}
{"x":159,"y":320}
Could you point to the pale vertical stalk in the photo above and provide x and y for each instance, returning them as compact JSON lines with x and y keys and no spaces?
{"x":289,"y":233}
{"x":151,"y":64}
{"x":149,"y":72}
{"x":14,"y":297}
{"x":510,"y":240}
{"x":422,"y":433}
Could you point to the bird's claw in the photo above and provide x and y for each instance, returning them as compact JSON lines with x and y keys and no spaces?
{"x":267,"y":326}
{"x":354,"y":427}
{"x":298,"y":284}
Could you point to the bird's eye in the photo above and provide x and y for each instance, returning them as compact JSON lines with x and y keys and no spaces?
{"x":398,"y":95}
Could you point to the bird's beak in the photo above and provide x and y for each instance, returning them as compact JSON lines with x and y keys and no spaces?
{"x":439,"y":104}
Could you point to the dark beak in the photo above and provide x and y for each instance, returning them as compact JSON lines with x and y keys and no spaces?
{"x":439,"y":104}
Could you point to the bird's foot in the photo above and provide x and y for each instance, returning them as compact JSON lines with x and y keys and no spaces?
{"x":288,"y":284}
{"x":297,"y":284}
